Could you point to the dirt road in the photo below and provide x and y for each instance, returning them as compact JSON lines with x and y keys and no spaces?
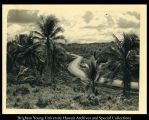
{"x":74,"y":68}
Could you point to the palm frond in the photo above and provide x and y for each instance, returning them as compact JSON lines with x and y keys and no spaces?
{"x":132,"y":56}
{"x":56,"y":31}
{"x":35,"y":46}
{"x":112,"y":74}
{"x":117,"y":40}
{"x":38,"y":38}
{"x":50,"y":24}
{"x":119,"y":45}
{"x":18,"y":45}
{"x":131,"y":41}
{"x":38,"y":33}
{"x":58,"y":37}
{"x":41,"y":27}
{"x":115,"y":51}
{"x":91,"y":72}
{"x":113,"y":54}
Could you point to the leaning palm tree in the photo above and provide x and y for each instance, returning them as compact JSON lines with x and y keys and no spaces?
{"x":122,"y":52}
{"x":49,"y":30}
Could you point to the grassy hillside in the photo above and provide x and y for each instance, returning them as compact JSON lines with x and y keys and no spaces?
{"x":68,"y":93}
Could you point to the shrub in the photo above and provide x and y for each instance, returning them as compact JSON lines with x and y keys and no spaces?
{"x":11,"y":78}
{"x":8,"y":91}
{"x":16,"y":104}
{"x":42,"y":102}
{"x":27,"y":105}
{"x":21,"y":90}
{"x":64,"y":105}
{"x":18,"y":99}
{"x":36,"y":90}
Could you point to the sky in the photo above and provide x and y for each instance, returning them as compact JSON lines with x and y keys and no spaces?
{"x":86,"y":25}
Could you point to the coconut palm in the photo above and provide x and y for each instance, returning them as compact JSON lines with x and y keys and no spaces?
{"x":92,"y":71}
{"x":48,"y":33}
{"x":23,"y":50}
{"x":122,"y":52}
{"x":13,"y":49}
{"x":10,"y":48}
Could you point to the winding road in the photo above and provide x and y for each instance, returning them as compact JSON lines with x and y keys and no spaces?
{"x":75,"y":69}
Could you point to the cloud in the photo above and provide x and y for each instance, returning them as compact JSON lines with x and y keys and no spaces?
{"x":88,"y":16}
{"x":124,"y":23}
{"x":98,"y":28}
{"x":65,"y":21}
{"x":110,"y":20}
{"x":105,"y":21}
{"x":85,"y":25}
{"x":135,"y":14}
{"x":15,"y":28}
{"x":22,"y":16}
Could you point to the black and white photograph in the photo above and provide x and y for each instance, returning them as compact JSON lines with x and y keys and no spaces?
{"x":74,"y":59}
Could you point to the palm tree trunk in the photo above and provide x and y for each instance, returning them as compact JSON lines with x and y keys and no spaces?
{"x":93,"y":86}
{"x":52,"y":62}
{"x":53,"y":66}
{"x":126,"y":80}
{"x":49,"y":60}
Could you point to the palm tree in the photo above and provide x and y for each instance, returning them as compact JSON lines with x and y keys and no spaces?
{"x":13,"y":49}
{"x":92,"y":71}
{"x":10,"y":48}
{"x":49,"y":30}
{"x":23,"y":50}
{"x":122,"y":52}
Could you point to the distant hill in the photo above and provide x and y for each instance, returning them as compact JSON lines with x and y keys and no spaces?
{"x":87,"y":49}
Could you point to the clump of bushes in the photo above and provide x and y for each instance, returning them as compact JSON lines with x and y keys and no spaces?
{"x":16,"y":104}
{"x":18,"y":99}
{"x":36,"y":90}
{"x":87,"y":101}
{"x":64,"y":105}
{"x":42,"y":102}
{"x":27,"y":105}
{"x":90,"y":101}
{"x":8,"y":91}
{"x":11,"y":78}
{"x":23,"y":90}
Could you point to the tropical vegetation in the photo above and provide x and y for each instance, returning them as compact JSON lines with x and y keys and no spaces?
{"x":40,"y":62}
